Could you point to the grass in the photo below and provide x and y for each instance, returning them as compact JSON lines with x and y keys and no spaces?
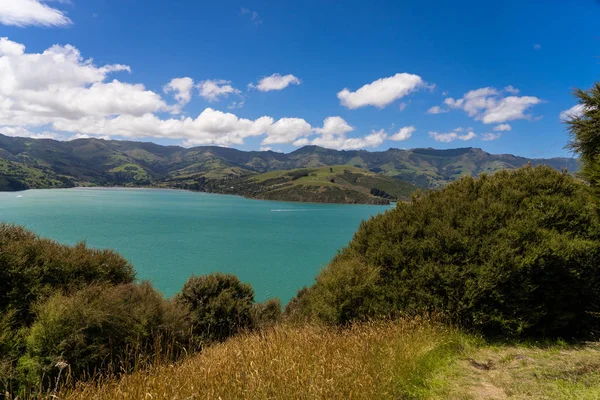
{"x":376,"y":360}
{"x":557,"y":372}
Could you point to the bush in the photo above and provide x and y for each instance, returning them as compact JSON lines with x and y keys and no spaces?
{"x":219,"y":305}
{"x":266,"y":314}
{"x":516,"y":253}
{"x":102,"y":329}
{"x":31,"y":269}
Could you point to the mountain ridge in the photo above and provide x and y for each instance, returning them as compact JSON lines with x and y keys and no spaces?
{"x":46,"y":163}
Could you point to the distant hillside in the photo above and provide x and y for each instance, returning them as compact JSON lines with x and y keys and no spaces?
{"x":44,"y":163}
{"x":335,"y":184}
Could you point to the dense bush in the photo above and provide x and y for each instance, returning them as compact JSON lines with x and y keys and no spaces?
{"x":516,"y":253}
{"x":219,"y":305}
{"x":266,"y":314}
{"x":32,"y":268}
{"x":102,"y":328}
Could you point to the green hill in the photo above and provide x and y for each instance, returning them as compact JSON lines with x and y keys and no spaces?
{"x":44,"y":163}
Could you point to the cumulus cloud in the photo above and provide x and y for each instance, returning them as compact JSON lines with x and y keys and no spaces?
{"x":181,"y":89}
{"x":437,"y":110}
{"x":503,"y":127}
{"x":59,"y":94}
{"x":212,"y":90}
{"x":403,"y":134}
{"x":341,"y":142}
{"x":334,"y":126}
{"x":490,"y":136}
{"x":491,"y":107}
{"x":574,"y":112}
{"x":402,"y":106}
{"x":452,"y":136}
{"x":275,"y":82}
{"x":511,"y":89}
{"x":31,"y":13}
{"x":287,"y":130}
{"x":381,"y":92}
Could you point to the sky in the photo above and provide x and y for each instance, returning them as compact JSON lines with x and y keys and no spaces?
{"x":279,"y":75}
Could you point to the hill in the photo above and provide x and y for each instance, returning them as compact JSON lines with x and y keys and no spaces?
{"x":44,"y":163}
{"x":335,"y":184}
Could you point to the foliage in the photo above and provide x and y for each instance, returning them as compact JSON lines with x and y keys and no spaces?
{"x":516,"y":253}
{"x":266,"y":314}
{"x":585,"y":134}
{"x":220,"y":305}
{"x":32,"y":268}
{"x":102,"y":329}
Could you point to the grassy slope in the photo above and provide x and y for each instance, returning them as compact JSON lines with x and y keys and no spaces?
{"x":369,"y":361}
{"x":338,"y":183}
{"x":392,"y":360}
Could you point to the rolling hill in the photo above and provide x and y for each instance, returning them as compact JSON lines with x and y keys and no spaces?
{"x":44,"y":163}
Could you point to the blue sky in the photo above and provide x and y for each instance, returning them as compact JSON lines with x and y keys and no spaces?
{"x":342,"y":74}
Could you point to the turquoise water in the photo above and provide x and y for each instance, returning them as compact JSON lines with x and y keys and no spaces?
{"x":169,"y":235}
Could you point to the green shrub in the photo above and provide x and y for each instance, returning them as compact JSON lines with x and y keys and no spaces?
{"x":266,"y":314}
{"x":32,"y":269}
{"x":102,"y":329}
{"x":515,"y":253}
{"x":219,"y":305}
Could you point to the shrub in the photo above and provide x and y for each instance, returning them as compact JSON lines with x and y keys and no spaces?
{"x":32,"y":268}
{"x":219,"y":305}
{"x":266,"y":314}
{"x":101,"y":329}
{"x":515,"y":253}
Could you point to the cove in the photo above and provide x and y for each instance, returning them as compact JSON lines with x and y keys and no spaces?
{"x":168,"y":235}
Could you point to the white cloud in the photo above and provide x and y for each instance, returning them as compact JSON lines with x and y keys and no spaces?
{"x":31,"y":13}
{"x":17,"y":131}
{"x":334,"y":126}
{"x":181,"y":89}
{"x":211,"y":90}
{"x":381,"y":92}
{"x":452,"y":136}
{"x":537,"y":46}
{"x":10,"y":48}
{"x":437,"y":110}
{"x":403,"y":134}
{"x":287,"y":130}
{"x":341,"y":142}
{"x":275,"y":82}
{"x":301,"y":142}
{"x":511,"y":89}
{"x":574,"y":112}
{"x":490,"y":136}
{"x":489,"y":106}
{"x":267,"y":148}
{"x":503,"y":127}
{"x":85,"y":136}
{"x":402,"y":106}
{"x":210,"y":127}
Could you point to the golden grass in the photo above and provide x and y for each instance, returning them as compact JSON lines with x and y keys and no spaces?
{"x":375,"y":360}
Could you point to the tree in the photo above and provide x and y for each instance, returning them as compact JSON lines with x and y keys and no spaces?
{"x":220,"y":305}
{"x":512,"y":254}
{"x":584,"y":126}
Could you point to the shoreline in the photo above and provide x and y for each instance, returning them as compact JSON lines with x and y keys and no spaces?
{"x":390,"y":204}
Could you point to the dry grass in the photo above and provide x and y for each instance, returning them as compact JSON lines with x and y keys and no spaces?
{"x":557,"y":372}
{"x":376,"y":360}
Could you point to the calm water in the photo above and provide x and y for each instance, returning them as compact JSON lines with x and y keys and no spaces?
{"x":169,"y":235}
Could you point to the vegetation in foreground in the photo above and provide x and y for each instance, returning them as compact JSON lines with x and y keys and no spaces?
{"x":375,"y":360}
{"x":515,"y":254}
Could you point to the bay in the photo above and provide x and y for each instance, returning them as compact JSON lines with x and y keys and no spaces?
{"x":168,"y":235}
